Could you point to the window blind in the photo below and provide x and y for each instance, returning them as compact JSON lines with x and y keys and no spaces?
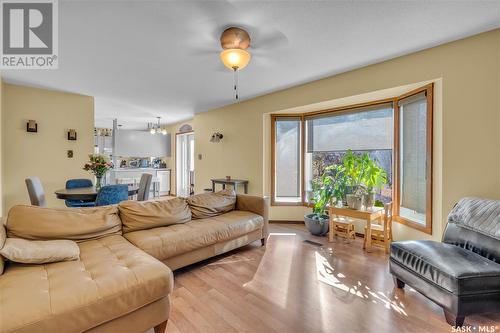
{"x":413,"y":156}
{"x":367,"y":128}
{"x":288,"y":158}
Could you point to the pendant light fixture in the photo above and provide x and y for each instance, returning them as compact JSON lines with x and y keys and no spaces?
{"x":235,"y":41}
{"x":156,"y":128}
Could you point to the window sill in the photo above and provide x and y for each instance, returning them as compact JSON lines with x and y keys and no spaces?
{"x":414,"y":225}
{"x":285,"y":203}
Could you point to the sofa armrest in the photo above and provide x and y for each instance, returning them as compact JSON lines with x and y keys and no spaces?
{"x":257,"y":205}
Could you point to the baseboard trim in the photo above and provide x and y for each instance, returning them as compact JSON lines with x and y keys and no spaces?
{"x":286,"y":222}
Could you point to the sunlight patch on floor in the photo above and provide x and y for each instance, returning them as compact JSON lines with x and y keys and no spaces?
{"x":326,"y":274}
{"x":283,"y":247}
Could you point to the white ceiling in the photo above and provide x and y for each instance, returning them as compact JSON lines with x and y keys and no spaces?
{"x":142,"y":59}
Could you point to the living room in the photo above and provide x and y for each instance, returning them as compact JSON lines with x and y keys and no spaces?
{"x":332,"y":168}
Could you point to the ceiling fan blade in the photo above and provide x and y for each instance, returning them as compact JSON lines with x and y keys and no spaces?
{"x":270,"y":40}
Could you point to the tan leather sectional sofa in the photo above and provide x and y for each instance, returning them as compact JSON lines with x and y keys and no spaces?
{"x":123,"y":279}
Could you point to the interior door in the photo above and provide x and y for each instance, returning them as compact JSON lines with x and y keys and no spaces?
{"x":184,"y":156}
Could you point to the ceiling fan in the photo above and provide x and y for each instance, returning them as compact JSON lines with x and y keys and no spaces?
{"x":239,"y":43}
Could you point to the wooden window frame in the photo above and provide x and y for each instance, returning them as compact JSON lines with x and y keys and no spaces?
{"x":273,"y":159}
{"x":427,"y":228}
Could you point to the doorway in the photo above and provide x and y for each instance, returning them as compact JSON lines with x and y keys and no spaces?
{"x":184,"y":164}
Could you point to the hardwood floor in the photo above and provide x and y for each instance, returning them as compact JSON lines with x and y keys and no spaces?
{"x":292,"y":286}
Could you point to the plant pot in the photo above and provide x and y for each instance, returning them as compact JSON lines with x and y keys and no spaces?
{"x":317,"y":225}
{"x":349,"y":189}
{"x":369,"y":200}
{"x":354,"y":201}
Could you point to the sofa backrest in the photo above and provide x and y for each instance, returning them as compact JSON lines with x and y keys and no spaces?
{"x":210,"y":204}
{"x":140,"y":215}
{"x":38,"y":223}
{"x":474,"y":224}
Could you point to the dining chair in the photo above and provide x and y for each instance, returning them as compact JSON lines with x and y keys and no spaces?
{"x":111,"y":195}
{"x":36,"y":192}
{"x":79,"y":183}
{"x":144,"y":187}
{"x":382,"y":229}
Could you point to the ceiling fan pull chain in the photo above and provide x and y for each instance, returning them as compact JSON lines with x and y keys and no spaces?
{"x":236,"y":82}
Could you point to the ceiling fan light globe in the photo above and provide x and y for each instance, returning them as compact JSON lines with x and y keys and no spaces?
{"x":164,"y":131}
{"x":152,"y":131}
{"x":235,"y":58}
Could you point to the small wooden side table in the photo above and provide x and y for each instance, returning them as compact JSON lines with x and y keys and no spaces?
{"x":368,"y":215}
{"x":233,"y":182}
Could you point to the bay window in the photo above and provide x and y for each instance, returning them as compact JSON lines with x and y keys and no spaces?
{"x":396,"y":132}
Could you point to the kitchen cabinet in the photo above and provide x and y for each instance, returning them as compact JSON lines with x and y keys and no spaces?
{"x":131,"y":143}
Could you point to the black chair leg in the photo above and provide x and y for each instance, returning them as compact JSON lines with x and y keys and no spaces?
{"x":263,"y":241}
{"x":398,"y":283}
{"x":453,"y":319}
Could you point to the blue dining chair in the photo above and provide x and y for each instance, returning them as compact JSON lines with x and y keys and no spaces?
{"x":78,"y":183}
{"x":111,"y":195}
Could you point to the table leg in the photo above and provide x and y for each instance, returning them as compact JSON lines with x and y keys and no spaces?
{"x":245,"y":188}
{"x":330,"y":229}
{"x":213,"y":187}
{"x":368,"y":236}
{"x":223,"y":186}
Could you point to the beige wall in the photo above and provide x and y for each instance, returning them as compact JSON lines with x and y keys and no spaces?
{"x":43,"y":154}
{"x":1,"y":150}
{"x":173,"y":129}
{"x":467,"y":128}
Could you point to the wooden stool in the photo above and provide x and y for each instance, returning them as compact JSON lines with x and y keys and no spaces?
{"x":340,"y":226}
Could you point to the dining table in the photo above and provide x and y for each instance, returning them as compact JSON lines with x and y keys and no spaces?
{"x":86,"y":193}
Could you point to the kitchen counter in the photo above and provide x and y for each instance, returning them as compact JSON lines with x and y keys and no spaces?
{"x":140,"y":169}
{"x":161,"y":178}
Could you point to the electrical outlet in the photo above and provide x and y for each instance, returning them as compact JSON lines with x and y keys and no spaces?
{"x":70,"y":154}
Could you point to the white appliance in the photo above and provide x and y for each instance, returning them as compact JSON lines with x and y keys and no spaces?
{"x":164,"y":179}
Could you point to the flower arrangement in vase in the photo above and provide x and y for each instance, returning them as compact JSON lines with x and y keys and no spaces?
{"x":98,"y":164}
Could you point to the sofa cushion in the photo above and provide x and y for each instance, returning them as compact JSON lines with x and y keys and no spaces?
{"x":207,"y":205}
{"x":111,"y":279}
{"x":139,"y":215}
{"x":453,"y":268}
{"x":39,"y":252}
{"x":39,"y":223}
{"x":166,"y":242}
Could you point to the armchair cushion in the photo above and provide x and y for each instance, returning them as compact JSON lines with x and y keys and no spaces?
{"x":450,"y":267}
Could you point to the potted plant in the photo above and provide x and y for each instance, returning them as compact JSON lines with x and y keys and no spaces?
{"x":327,"y":189}
{"x":321,"y":194}
{"x":98,"y":164}
{"x":350,"y":163}
{"x":374,"y":177}
{"x":364,"y":175}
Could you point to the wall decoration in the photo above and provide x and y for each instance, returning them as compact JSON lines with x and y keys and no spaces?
{"x":31,"y":126}
{"x":72,"y":135}
{"x":216,"y":137}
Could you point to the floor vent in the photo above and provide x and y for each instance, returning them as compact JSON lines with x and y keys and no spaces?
{"x":312,"y":243}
